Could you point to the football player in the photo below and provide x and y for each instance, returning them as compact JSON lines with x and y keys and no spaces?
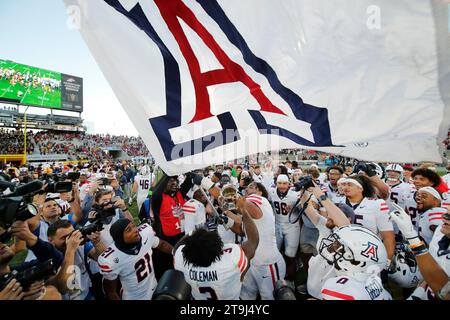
{"x":334,"y":174}
{"x":268,"y":265}
{"x":434,"y":263}
{"x":399,"y":191}
{"x":421,"y":178}
{"x":283,"y":199}
{"x":371,"y":213}
{"x":194,"y":212}
{"x":358,"y":256}
{"x":142,"y":183}
{"x":429,"y":206}
{"x":129,"y":260}
{"x":215,"y":270}
{"x":319,"y":269}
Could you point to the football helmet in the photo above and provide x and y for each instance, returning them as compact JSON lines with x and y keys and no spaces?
{"x":395,"y":168}
{"x":379,"y":170}
{"x":404,"y":270}
{"x":145,"y":170}
{"x":355,"y":251}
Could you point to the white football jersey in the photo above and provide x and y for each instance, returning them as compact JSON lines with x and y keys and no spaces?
{"x":429,"y":221}
{"x":347,"y":288}
{"x":399,"y":194}
{"x":135,"y":272}
{"x":144,"y":184}
{"x":319,"y":269}
{"x":445,"y":200}
{"x":446,"y":179}
{"x":411,"y":208}
{"x":258,"y":178}
{"x":221,"y":280}
{"x":194,"y":214}
{"x":282,"y":204}
{"x":374,"y":215}
{"x":440,"y":250}
{"x":333,"y":193}
{"x":267,"y":251}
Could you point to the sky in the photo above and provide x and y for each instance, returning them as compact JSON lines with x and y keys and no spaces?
{"x":38,"y":33}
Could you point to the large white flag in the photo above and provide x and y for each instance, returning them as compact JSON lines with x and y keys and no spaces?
{"x":205,"y":81}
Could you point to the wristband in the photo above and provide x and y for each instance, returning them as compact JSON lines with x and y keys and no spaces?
{"x":230,"y":223}
{"x":419,"y":249}
{"x":414,"y":241}
{"x":444,"y":291}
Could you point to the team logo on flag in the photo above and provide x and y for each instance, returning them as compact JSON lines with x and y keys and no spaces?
{"x":371,"y":251}
{"x":176,"y":12}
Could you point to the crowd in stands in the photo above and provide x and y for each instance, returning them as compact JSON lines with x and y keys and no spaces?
{"x":76,"y":145}
{"x":80,"y":146}
{"x":12,"y":142}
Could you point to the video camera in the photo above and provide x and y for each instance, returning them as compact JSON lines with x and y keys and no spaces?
{"x":56,"y":183}
{"x":102,"y":212}
{"x":17,"y":204}
{"x":371,"y":169}
{"x":96,"y":224}
{"x":89,"y":229}
{"x":28,"y":276}
{"x":304,"y":183}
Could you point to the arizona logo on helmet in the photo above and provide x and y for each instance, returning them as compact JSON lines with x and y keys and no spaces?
{"x":371,"y":251}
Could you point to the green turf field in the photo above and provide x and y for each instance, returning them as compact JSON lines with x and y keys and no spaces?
{"x":37,"y":95}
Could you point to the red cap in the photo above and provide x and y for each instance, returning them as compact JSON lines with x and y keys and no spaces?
{"x":408,"y":167}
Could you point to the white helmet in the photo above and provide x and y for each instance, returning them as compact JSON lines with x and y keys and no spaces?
{"x":404,"y":270}
{"x":378,"y":169}
{"x":354,"y":250}
{"x":145,"y":170}
{"x":394,"y":167}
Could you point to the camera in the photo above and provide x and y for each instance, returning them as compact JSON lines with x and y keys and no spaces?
{"x":104,"y":181}
{"x":89,"y":229}
{"x":17,"y":205}
{"x":103,"y":213}
{"x":73,"y":176}
{"x":284,"y":291}
{"x":172,"y":286}
{"x":56,"y":183}
{"x":58,"y":187}
{"x":26,"y":277}
{"x":304,"y":183}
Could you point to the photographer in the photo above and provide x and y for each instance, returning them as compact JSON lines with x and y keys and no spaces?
{"x":114,"y":183}
{"x":39,"y":224}
{"x":65,"y":249}
{"x":38,"y":290}
{"x":102,"y":186}
{"x":107,"y":210}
